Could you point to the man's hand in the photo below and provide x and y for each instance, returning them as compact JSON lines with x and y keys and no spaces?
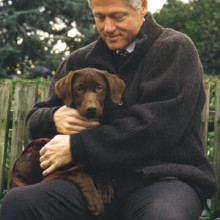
{"x":68,"y":121}
{"x":55,"y":154}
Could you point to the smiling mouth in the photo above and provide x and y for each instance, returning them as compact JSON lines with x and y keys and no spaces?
{"x":112,"y":38}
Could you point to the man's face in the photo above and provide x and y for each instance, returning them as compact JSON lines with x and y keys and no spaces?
{"x":117,"y":22}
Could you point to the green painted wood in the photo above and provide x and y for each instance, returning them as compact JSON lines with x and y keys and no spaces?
{"x":25,"y":97}
{"x":43,"y":90}
{"x":216,"y":159}
{"x":5,"y":105}
{"x":205,"y":116}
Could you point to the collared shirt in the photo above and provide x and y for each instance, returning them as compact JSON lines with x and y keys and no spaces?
{"x":130,"y":47}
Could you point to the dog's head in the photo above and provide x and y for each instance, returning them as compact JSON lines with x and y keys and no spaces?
{"x":86,"y":90}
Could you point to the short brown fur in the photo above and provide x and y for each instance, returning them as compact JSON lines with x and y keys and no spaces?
{"x":86,"y":90}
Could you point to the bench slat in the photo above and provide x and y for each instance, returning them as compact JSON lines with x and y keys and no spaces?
{"x":205,"y":116}
{"x":5,"y":104}
{"x":43,"y":90}
{"x":25,"y":97}
{"x":216,"y":162}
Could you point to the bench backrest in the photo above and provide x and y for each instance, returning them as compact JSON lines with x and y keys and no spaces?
{"x":17,"y":100}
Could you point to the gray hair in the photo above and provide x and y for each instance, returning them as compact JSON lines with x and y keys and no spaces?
{"x":136,"y":4}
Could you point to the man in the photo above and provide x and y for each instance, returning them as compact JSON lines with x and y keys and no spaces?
{"x":152,"y":149}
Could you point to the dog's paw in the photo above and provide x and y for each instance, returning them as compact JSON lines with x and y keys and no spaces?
{"x":106,"y":191}
{"x":96,"y":207}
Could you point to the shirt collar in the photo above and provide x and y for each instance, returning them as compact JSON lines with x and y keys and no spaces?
{"x":130,"y":47}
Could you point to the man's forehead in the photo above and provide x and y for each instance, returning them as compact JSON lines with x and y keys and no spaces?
{"x":109,"y":4}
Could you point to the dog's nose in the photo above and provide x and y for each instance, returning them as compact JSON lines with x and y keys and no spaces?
{"x":91,"y":111}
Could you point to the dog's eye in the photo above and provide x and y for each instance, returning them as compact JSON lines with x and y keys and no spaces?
{"x":79,"y":88}
{"x":99,"y":88}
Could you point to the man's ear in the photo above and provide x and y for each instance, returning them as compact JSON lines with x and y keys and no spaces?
{"x":144,"y":7}
{"x":116,"y":86}
{"x":63,"y":88}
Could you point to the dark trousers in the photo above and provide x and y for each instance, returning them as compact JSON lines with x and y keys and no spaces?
{"x":165,"y":199}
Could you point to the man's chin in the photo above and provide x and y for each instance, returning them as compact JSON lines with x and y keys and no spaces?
{"x":115,"y":47}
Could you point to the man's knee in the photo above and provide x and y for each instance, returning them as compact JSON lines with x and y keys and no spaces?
{"x":47,"y":199}
{"x":164,"y":200}
{"x":15,"y":203}
{"x":163,"y":212}
{"x":15,"y":197}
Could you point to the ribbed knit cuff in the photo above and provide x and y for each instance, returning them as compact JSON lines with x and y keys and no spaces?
{"x":51,"y":121}
{"x":41,"y":124}
{"x":77,"y":148}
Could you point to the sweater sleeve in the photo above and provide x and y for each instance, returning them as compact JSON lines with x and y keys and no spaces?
{"x":39,"y":120}
{"x":169,"y":103}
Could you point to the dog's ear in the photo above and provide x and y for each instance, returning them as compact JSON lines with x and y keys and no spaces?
{"x":63,"y":88}
{"x":116,"y":86}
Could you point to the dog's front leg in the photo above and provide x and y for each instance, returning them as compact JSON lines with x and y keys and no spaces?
{"x":88,"y":189}
{"x":104,"y":187}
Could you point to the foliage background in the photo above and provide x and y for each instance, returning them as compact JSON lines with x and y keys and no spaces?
{"x":199,"y":19}
{"x":30,"y":32}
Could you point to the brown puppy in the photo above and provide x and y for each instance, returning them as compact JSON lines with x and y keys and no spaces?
{"x":87,"y":90}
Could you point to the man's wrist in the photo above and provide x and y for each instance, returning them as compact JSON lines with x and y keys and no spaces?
{"x":77,"y":148}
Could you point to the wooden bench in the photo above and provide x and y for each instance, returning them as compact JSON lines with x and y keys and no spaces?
{"x":16,"y":100}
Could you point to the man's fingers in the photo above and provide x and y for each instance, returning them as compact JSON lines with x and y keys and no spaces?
{"x":49,"y":170}
{"x":73,"y":129}
{"x":44,"y":165}
{"x":83,"y":123}
{"x":68,"y":121}
{"x":44,"y":149}
{"x":55,"y":154}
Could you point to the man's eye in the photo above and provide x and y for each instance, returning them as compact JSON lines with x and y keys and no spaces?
{"x":119,"y":18}
{"x":100,"y":17}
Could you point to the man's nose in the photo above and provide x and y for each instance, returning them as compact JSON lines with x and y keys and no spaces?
{"x":109,"y":25}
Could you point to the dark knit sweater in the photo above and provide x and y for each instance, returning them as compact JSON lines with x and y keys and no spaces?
{"x":156,"y":131}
